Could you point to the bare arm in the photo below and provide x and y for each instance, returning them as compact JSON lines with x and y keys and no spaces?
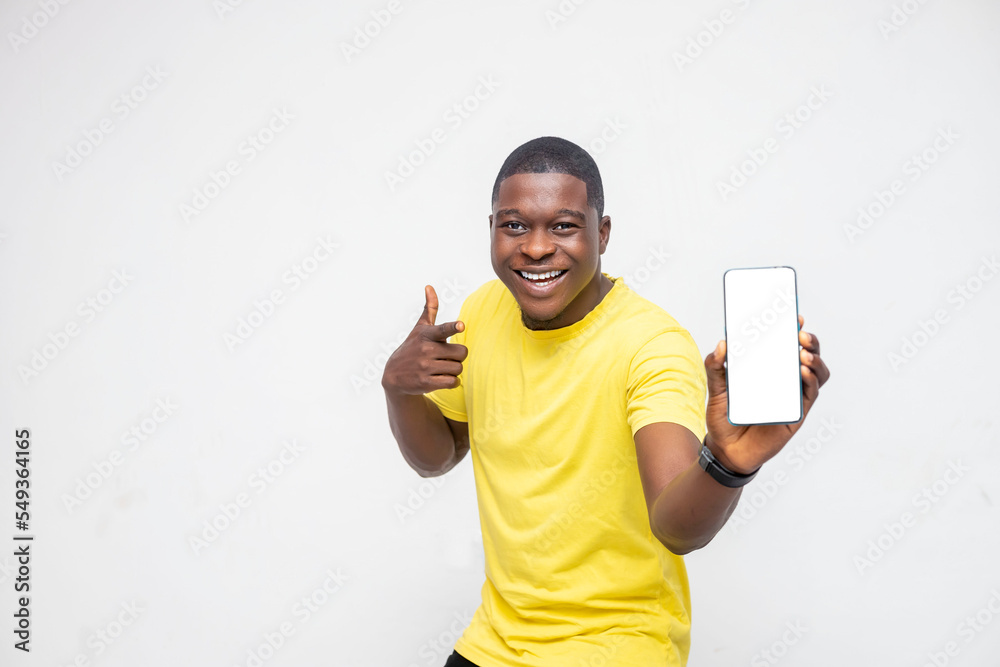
{"x":687,"y":508}
{"x":431,"y":443}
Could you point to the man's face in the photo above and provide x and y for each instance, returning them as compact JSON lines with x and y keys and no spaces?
{"x":541,"y":223}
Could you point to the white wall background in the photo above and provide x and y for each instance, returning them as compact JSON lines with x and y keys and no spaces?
{"x":683,"y":127}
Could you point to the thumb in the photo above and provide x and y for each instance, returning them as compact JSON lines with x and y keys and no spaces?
{"x":430,"y":306}
{"x":715,"y":370}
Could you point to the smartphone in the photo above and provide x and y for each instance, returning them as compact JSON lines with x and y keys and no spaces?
{"x":763,"y":380}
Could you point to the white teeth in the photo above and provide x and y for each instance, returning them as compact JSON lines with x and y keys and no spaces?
{"x":541,"y":276}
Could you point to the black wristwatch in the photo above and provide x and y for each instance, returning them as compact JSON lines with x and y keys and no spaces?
{"x":720,"y":473}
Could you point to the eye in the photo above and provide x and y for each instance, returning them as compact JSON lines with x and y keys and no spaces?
{"x":514,"y":222}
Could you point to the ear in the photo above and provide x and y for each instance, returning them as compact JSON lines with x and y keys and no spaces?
{"x":604,"y":233}
{"x":491,"y":222}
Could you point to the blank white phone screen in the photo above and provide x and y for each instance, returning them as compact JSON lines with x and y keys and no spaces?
{"x":762,"y":346}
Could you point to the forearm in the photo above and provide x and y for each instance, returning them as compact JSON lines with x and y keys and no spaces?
{"x":692,"y":509}
{"x":424,"y":438}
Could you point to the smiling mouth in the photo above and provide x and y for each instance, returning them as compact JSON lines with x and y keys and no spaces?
{"x":540,"y":280}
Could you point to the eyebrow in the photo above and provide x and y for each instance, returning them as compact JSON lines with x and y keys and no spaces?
{"x":563,"y":211}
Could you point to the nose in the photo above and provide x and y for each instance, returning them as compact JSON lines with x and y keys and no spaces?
{"x":538,"y":244}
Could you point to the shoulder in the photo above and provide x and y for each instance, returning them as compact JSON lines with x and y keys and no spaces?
{"x":643,"y":323}
{"x":652,"y":341}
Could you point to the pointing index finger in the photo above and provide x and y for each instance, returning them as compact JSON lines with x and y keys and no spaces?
{"x":442,"y":332}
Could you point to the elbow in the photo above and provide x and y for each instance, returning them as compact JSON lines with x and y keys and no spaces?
{"x":678,"y":546}
{"x":686,"y":548}
{"x":435,"y":472}
{"x":420,"y":467}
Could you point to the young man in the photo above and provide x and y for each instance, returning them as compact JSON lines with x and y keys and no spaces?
{"x":583,"y":404}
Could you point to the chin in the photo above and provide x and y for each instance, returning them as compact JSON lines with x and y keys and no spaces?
{"x":543,"y":315}
{"x":538,"y":310}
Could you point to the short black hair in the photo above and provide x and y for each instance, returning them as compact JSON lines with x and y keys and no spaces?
{"x":553,"y":155}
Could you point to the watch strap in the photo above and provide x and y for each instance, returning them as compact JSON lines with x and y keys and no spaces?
{"x":719,"y":472}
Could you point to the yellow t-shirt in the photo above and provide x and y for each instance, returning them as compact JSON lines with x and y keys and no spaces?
{"x":574,"y":575}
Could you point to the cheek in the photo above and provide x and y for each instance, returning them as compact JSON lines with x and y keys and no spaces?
{"x":579,"y":249}
{"x":503,"y":251}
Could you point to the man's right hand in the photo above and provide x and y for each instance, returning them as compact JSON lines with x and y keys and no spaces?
{"x":426,"y":361}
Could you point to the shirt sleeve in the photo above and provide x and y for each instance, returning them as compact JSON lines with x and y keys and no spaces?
{"x":667,"y":383}
{"x":451,"y":401}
